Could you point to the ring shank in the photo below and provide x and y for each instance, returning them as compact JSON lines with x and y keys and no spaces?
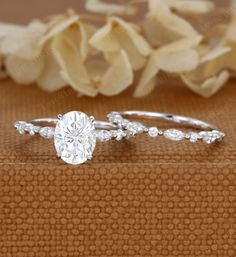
{"x":98,"y":124}
{"x":187,"y":121}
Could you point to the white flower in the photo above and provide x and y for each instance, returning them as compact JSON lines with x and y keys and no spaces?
{"x":119,"y":35}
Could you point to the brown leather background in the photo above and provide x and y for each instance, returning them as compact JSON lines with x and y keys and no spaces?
{"x":137,"y":198}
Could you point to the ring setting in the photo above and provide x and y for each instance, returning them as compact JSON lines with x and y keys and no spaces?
{"x":76,"y":134}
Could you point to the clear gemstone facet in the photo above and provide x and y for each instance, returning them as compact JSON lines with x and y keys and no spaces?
{"x":103,"y":135}
{"x":174,"y":134}
{"x":193,"y":137}
{"x":47,"y":132}
{"x":211,"y":137}
{"x":75,"y":138}
{"x":153,"y":132}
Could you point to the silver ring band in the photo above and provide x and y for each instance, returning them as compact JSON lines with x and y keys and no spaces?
{"x":208,"y":132}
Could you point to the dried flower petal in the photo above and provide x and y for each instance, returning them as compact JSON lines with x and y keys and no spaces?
{"x":118,"y":76}
{"x":59,"y":27}
{"x":98,"y":6}
{"x":24,"y":71}
{"x":182,"y":61}
{"x":181,"y":44}
{"x":148,"y":78}
{"x":179,"y":56}
{"x":119,"y":35}
{"x":191,"y":6}
{"x":83,"y":75}
{"x":211,"y":74}
{"x":66,"y":47}
{"x":215,"y":53}
{"x":208,"y":87}
{"x":50,"y":78}
{"x":22,"y":42}
{"x":161,"y":11}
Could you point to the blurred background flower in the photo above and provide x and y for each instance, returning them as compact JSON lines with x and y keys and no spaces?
{"x":104,"y":49}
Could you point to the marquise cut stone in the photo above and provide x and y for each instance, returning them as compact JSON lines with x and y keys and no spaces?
{"x":75,"y":138}
{"x":174,"y":134}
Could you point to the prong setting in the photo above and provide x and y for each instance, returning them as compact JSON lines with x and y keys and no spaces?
{"x":59,"y":116}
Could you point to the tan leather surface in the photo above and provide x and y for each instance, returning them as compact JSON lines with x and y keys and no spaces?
{"x":137,"y":198}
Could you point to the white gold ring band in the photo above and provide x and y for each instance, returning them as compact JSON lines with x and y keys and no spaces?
{"x":203,"y":131}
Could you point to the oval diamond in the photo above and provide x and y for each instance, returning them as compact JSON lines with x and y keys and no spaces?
{"x":75,"y":138}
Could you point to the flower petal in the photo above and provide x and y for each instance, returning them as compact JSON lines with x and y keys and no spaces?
{"x":191,"y":6}
{"x":86,"y":32}
{"x":208,"y":87}
{"x":24,"y":71}
{"x":148,"y":79}
{"x":51,"y":79}
{"x":181,"y":44}
{"x":160,"y":10}
{"x":98,"y":6}
{"x":58,"y":28}
{"x":105,"y":40}
{"x":119,"y":35}
{"x":23,"y":42}
{"x":215,"y":53}
{"x":157,"y":33}
{"x":66,"y":47}
{"x":139,"y":42}
{"x":183,"y":61}
{"x":118,"y":77}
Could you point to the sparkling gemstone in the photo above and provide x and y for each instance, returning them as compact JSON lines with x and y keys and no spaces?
{"x":124,"y":123}
{"x":174,"y":134}
{"x":47,"y":132}
{"x":30,"y":128}
{"x":118,"y":134}
{"x":135,"y":128}
{"x":103,"y":135}
{"x":75,"y":138}
{"x":193,"y":137}
{"x":211,"y":137}
{"x":20,"y":126}
{"x":153,"y":132}
{"x":115,"y":117}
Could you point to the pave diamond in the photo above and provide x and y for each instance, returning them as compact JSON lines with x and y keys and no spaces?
{"x":193,"y":137}
{"x":20,"y":126}
{"x":135,"y":128}
{"x":119,"y":134}
{"x":211,"y":137}
{"x":153,"y":132}
{"x":47,"y":132}
{"x":115,"y":117}
{"x":174,"y":134}
{"x":104,"y":135}
{"x":75,"y":138}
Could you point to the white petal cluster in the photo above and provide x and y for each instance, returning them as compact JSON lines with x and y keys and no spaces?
{"x":72,"y":50}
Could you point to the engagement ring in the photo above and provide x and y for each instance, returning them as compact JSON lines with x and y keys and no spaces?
{"x":75,"y":134}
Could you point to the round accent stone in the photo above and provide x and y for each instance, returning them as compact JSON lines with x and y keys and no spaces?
{"x":75,"y":138}
{"x":153,"y":132}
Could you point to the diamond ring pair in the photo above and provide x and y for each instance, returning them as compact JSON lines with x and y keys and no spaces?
{"x":75,"y":134}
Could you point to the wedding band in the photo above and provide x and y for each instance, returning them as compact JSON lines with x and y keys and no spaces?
{"x":75,"y":134}
{"x":206,"y":132}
